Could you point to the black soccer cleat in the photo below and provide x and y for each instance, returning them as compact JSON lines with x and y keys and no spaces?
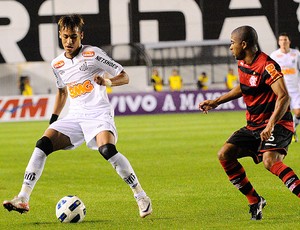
{"x":256,"y":209}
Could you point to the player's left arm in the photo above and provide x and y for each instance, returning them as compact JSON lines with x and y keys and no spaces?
{"x":121,"y":79}
{"x":281,"y":106}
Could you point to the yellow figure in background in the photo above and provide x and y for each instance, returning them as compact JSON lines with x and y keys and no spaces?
{"x":157,"y":81}
{"x":175,"y":81}
{"x":202,"y":83}
{"x":231,"y":80}
{"x":25,"y":87}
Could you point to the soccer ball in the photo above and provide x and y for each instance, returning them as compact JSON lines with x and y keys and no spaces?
{"x":70,"y":209}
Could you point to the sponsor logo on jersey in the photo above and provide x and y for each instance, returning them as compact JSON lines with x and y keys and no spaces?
{"x":88,"y":53}
{"x":288,"y":71}
{"x":80,"y":89}
{"x":59,"y":64}
{"x":274,"y":73}
{"x":106,"y":62}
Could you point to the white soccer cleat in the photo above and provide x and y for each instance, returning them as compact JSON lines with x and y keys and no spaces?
{"x":17,"y":204}
{"x":145,"y":206}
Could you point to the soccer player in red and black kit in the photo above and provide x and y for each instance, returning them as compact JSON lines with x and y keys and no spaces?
{"x":269,"y":128}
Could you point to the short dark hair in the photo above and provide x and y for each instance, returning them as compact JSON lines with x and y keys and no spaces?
{"x":71,"y":22}
{"x":247,"y":34}
{"x":285,"y":35}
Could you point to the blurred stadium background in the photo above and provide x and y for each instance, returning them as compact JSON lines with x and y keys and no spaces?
{"x":190,"y":35}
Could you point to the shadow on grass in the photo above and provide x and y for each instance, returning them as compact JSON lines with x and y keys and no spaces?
{"x":81,"y":223}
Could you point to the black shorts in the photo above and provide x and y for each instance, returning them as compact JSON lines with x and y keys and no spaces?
{"x":251,"y":142}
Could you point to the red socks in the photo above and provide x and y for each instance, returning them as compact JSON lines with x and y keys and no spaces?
{"x":287,"y":175}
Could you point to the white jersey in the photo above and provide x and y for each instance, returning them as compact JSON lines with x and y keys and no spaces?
{"x":77,"y":74}
{"x":289,"y":63}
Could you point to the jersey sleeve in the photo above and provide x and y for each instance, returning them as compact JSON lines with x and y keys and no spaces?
{"x":56,"y":64}
{"x":59,"y":82}
{"x":104,"y":62}
{"x":272,"y":72}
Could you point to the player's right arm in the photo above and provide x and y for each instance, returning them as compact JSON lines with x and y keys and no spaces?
{"x":62,"y":92}
{"x":60,"y":101}
{"x":206,"y":105}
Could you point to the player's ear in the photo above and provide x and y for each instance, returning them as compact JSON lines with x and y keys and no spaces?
{"x":81,"y":35}
{"x":244,"y":44}
{"x":59,"y":34}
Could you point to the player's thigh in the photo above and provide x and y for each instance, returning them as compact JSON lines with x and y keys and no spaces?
{"x":59,"y":140}
{"x":67,"y":127}
{"x":231,"y":151}
{"x":105,"y":137}
{"x":243,"y":142}
{"x":99,"y":130}
{"x":227,"y":152}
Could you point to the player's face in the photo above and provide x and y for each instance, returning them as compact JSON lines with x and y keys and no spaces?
{"x":236,"y":47}
{"x":284,"y":42}
{"x":71,"y":41}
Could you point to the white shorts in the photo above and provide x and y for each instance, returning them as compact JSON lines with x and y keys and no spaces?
{"x":85,"y":127}
{"x":295,"y":100}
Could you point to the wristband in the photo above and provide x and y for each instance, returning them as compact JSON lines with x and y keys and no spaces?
{"x":107,"y":82}
{"x":53,"y":118}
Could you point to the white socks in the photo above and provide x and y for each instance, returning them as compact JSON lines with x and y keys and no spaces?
{"x":33,"y":172}
{"x":125,"y":171}
{"x":37,"y":161}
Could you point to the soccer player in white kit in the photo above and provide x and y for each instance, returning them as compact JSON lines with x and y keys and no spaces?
{"x":79,"y":75}
{"x":289,"y":61}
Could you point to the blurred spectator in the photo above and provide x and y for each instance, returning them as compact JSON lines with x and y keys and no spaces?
{"x":231,"y":80}
{"x":108,"y":88}
{"x":175,"y":81}
{"x":156,"y":81}
{"x":24,"y":86}
{"x":202,"y":82}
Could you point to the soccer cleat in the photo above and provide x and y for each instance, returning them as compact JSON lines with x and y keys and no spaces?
{"x":17,"y":204}
{"x":145,"y":206}
{"x":256,"y":209}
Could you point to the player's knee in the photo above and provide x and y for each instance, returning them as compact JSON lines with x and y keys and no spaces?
{"x":45,"y":144}
{"x":108,"y":150}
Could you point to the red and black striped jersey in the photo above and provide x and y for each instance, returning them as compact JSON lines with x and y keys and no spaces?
{"x":255,"y":81}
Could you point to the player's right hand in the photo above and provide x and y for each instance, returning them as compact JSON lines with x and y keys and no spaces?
{"x":207,"y":105}
{"x":99,"y":80}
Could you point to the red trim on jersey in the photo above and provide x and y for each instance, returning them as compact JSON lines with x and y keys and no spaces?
{"x":255,"y":81}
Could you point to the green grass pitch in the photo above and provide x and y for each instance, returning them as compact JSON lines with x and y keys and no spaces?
{"x":175,"y":158}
